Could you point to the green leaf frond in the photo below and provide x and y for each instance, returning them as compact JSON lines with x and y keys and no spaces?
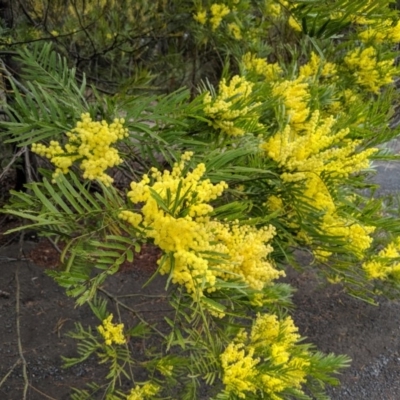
{"x":50,"y":101}
{"x":88,"y":226}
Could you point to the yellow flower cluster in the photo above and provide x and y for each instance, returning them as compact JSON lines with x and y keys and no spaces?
{"x":218,"y":12}
{"x":312,"y":153}
{"x":234,"y":30}
{"x":267,"y":361}
{"x":316,"y":149}
{"x":360,"y":17}
{"x":317,"y":67}
{"x":240,"y":374}
{"x":132,"y":218}
{"x":385,"y":264}
{"x":274,"y":203}
{"x":296,"y":96}
{"x":112,"y":333}
{"x":294,"y":24}
{"x":147,"y":391}
{"x":368,"y":71}
{"x":90,"y":143}
{"x":273,"y":8}
{"x":357,"y":236}
{"x":201,"y":17}
{"x":182,"y":228}
{"x":232,"y":107}
{"x":247,"y":250}
{"x":165,"y":368}
{"x":381,"y":32}
{"x":261,"y":67}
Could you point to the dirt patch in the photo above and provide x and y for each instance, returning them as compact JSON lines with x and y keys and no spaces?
{"x":46,"y":315}
{"x":370,"y":335}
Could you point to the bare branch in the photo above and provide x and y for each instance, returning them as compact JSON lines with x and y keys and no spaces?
{"x":15,"y":156}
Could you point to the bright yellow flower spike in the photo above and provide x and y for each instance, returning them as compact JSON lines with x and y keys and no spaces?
{"x":233,"y":107}
{"x":317,"y":66}
{"x":145,"y":392}
{"x":261,"y":67}
{"x":218,"y":12}
{"x":385,"y":263}
{"x":186,"y":233}
{"x":201,"y":17}
{"x":368,"y":71}
{"x":90,"y":143}
{"x":266,"y":361}
{"x":112,"y":333}
{"x":295,"y":95}
{"x":305,"y":156}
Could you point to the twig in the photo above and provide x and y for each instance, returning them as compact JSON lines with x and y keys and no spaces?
{"x":28,"y":166}
{"x":54,"y":244}
{"x":9,"y":259}
{"x":20,"y":351}
{"x":10,"y":240}
{"x":126,"y":344}
{"x":43,"y":394}
{"x":8,"y":166}
{"x":78,"y":15}
{"x":9,"y":372}
{"x":27,"y":15}
{"x":154,"y":296}
{"x":123,"y":305}
{"x":11,"y":77}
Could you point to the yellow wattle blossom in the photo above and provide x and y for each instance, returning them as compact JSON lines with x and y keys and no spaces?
{"x":247,"y":250}
{"x":165,"y":368}
{"x":317,"y":66}
{"x":235,"y":31}
{"x":233,"y":108}
{"x":201,"y":17}
{"x":218,"y":12}
{"x":350,"y":97}
{"x":183,"y":229}
{"x":360,"y":17}
{"x":382,"y":31}
{"x":368,"y":71}
{"x":273,"y":8}
{"x":386,"y":263}
{"x":258,"y":299}
{"x":315,"y":151}
{"x":357,"y":236}
{"x":267,"y":361}
{"x":90,"y":143}
{"x":133,"y":218}
{"x":274,"y":203}
{"x":261,"y":67}
{"x":239,"y":369}
{"x":112,"y":333}
{"x":296,"y":96}
{"x":394,"y":33}
{"x":293,"y":23}
{"x":144,"y":392}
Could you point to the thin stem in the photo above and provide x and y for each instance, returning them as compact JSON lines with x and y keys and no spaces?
{"x":123,"y":305}
{"x":20,"y":350}
{"x":15,"y":156}
{"x":9,"y":372}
